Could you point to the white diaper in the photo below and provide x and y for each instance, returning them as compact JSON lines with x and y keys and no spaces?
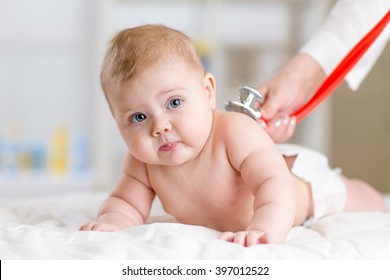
{"x":328,"y":189}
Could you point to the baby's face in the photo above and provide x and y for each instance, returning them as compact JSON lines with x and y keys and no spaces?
{"x":164,"y":114}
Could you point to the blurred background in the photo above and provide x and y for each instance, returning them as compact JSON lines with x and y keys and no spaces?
{"x":56,"y":131}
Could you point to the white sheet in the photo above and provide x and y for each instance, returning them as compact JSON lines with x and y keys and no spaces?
{"x":47,"y":228}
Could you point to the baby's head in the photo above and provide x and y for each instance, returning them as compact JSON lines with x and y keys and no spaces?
{"x":133,"y":50}
{"x":159,"y":94}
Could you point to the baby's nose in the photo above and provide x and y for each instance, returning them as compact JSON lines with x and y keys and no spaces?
{"x":161,"y":126}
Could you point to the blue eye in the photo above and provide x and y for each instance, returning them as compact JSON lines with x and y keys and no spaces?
{"x":136,"y":118}
{"x":174,"y":103}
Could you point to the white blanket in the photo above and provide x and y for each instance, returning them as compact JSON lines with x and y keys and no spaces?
{"x":46,"y":227}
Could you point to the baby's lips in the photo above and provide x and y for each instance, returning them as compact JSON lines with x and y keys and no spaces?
{"x":168,"y":146}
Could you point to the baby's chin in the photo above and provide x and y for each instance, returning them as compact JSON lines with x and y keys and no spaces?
{"x":178,"y":161}
{"x":175,"y":163}
{"x":179,"y":156}
{"x":166,"y":162}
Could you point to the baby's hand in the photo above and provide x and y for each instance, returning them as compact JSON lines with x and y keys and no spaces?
{"x":99,"y":226}
{"x":246,"y":238}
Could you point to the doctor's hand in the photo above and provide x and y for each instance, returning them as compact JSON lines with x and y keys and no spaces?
{"x":287,"y":92}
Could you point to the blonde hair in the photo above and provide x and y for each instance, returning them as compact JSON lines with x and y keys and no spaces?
{"x":134,"y":49}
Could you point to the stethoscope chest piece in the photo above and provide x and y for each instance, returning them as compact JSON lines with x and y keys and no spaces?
{"x":248,"y":102}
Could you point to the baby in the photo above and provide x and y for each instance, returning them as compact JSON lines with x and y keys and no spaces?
{"x":208,"y":167}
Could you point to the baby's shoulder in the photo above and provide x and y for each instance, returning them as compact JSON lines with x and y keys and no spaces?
{"x":236,"y":123}
{"x":233,"y":118}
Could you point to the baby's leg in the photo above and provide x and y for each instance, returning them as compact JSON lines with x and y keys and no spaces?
{"x":362,"y":197}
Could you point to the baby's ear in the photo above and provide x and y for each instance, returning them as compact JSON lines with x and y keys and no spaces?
{"x":210,"y":88}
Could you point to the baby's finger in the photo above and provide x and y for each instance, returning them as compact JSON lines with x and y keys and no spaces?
{"x":240,"y":238}
{"x":252,"y":238}
{"x":227,"y":236}
{"x":105,"y":227}
{"x":98,"y":227}
{"x":266,"y":239}
{"x":88,"y":226}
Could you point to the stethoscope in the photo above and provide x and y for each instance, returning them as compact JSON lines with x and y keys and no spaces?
{"x":249,"y":99}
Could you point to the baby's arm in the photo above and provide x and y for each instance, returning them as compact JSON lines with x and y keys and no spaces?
{"x":130,"y":202}
{"x":264,"y":170}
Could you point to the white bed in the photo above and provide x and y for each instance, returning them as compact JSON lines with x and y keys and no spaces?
{"x":46,"y":227}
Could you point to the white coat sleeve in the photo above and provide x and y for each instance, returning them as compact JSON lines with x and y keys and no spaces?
{"x":346,"y":24}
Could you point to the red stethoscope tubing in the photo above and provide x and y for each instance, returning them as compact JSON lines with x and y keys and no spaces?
{"x":338,"y":74}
